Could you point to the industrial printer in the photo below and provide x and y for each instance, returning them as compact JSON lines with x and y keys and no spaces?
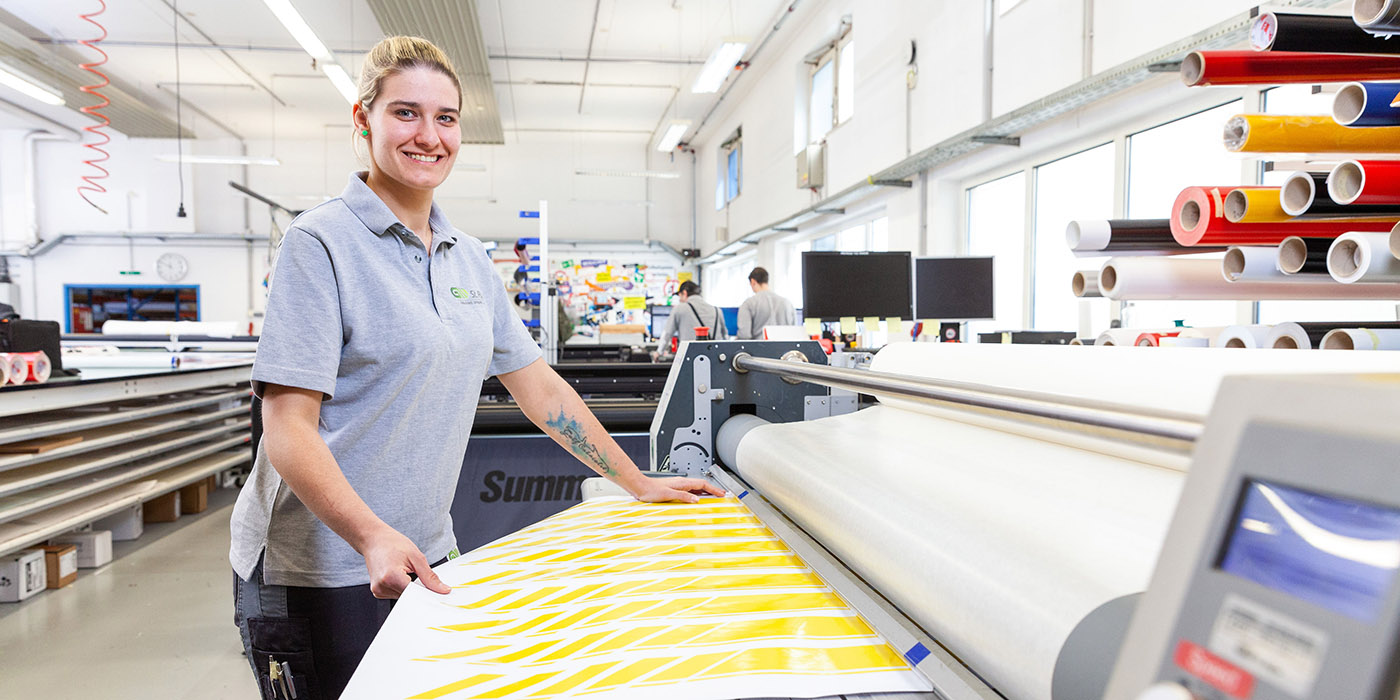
{"x":1060,"y":523}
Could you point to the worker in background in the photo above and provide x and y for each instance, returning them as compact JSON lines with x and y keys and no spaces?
{"x":764,"y":308}
{"x":369,"y":369}
{"x":691,"y":312}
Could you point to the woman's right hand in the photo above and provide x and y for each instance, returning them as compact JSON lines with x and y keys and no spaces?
{"x":390,"y":558}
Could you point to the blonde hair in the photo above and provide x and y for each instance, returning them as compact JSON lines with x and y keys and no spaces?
{"x":395,"y":54}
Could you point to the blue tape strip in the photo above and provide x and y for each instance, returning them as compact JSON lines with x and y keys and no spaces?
{"x":741,"y":496}
{"x":916,"y":653}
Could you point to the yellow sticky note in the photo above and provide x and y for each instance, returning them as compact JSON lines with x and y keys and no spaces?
{"x":930,"y":327}
{"x":872,"y":323}
{"x":813,"y":326}
{"x":1006,"y":338}
{"x":848,"y":325}
{"x":634,"y":303}
{"x":894,"y":324}
{"x":604,"y":276}
{"x":685,"y":277}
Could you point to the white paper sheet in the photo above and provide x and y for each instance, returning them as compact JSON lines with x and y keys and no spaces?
{"x":619,"y":599}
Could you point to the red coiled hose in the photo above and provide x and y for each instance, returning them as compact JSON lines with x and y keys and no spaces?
{"x":90,"y":181}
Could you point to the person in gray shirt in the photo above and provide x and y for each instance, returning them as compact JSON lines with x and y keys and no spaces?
{"x":690,"y":313}
{"x":382,"y":322}
{"x":764,"y":308}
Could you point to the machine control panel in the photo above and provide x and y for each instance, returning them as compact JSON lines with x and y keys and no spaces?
{"x":1294,"y":594}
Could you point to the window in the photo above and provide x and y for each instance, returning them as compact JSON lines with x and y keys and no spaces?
{"x":820,"y":112}
{"x":1162,"y":161}
{"x":727,"y":282}
{"x":831,"y":85}
{"x":846,"y":81}
{"x":729,"y":164}
{"x":996,"y":226}
{"x":1075,"y":187}
{"x":872,"y":236}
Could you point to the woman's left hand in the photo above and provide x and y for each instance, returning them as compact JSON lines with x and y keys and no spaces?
{"x":674,"y":489}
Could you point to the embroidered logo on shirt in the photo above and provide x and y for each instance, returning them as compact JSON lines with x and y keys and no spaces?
{"x":470,"y":296}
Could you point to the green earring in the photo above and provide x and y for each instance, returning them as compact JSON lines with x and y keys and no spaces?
{"x":364,"y":132}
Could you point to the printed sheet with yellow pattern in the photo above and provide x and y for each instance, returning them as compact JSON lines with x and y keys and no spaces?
{"x":619,"y":599}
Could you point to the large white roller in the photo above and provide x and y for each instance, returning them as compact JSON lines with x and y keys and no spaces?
{"x":1000,"y":545}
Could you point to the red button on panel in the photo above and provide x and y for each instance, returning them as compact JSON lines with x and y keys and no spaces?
{"x":1219,"y":673}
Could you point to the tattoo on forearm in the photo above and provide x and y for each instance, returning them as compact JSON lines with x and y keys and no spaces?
{"x":573,"y":434}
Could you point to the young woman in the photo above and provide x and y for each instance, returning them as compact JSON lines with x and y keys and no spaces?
{"x":382,"y":322}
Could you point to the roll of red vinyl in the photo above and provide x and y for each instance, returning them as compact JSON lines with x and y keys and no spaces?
{"x":1198,"y":218}
{"x":1153,"y":340}
{"x":37,"y":367}
{"x":1365,"y":182}
{"x":1279,"y":67}
{"x":17,"y":367}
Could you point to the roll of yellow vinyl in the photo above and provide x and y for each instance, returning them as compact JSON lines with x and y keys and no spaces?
{"x":1269,"y":133}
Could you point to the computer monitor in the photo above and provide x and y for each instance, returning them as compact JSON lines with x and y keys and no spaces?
{"x":731,"y":319}
{"x":837,"y":285}
{"x":953,"y":289}
{"x":659,"y":316}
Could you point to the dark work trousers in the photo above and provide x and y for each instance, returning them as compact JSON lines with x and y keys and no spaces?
{"x":319,"y":634}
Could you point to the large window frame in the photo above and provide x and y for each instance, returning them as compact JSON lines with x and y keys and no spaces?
{"x":839,"y":96}
{"x":729,"y":169}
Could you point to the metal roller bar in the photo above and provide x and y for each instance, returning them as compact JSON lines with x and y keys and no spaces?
{"x":1103,"y":415}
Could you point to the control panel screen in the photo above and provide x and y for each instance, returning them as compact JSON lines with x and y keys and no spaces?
{"x":1333,"y":552}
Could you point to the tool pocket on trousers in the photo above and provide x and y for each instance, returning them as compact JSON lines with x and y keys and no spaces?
{"x":282,"y":657}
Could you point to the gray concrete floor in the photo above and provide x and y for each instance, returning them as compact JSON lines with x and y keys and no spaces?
{"x":157,"y":622}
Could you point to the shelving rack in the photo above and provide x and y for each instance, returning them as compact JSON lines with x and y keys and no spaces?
{"x":142,"y":436}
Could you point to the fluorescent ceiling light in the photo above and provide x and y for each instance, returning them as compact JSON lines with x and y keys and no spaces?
{"x":218,"y":160}
{"x":718,"y":66}
{"x":299,"y":29}
{"x":659,"y":174}
{"x":342,"y":81}
{"x":9,"y":77}
{"x":672,"y":137}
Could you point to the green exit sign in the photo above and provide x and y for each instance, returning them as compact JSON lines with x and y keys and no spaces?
{"x":129,"y":272}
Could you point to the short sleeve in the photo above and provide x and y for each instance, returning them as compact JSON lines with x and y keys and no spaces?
{"x":513,"y":348}
{"x":302,"y":334}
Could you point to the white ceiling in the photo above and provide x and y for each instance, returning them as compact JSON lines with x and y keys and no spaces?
{"x":239,"y":66}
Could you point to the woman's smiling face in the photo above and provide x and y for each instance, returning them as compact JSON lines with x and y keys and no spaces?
{"x":414,"y":129}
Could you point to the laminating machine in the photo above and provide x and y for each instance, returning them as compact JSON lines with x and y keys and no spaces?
{"x":1277,"y":566}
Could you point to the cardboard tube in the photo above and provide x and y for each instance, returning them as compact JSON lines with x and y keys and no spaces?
{"x":1306,"y":194}
{"x":1086,"y":284}
{"x":1395,"y":241}
{"x":1286,"y":31}
{"x":1377,"y":16}
{"x":1198,"y":218}
{"x":1254,"y":205}
{"x":1267,"y":133}
{"x":1280,"y":67}
{"x":1303,"y":256}
{"x":1306,"y":336}
{"x":1185,"y":279}
{"x":1252,"y":263}
{"x":1256,"y":336}
{"x":1361,"y":339}
{"x":1362,"y":257}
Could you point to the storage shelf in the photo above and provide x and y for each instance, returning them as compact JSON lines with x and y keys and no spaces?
{"x":38,"y":527}
{"x":55,"y":494}
{"x":31,"y":398}
{"x":25,"y":479}
{"x":121,"y":433}
{"x":20,"y":428}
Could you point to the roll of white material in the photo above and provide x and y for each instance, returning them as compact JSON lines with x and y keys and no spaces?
{"x":1361,"y":339}
{"x":16,"y":368}
{"x":1250,"y":263}
{"x":998,"y":544}
{"x":1200,"y":279}
{"x":1185,"y":341}
{"x":124,"y":360}
{"x":1127,"y":337}
{"x":1086,"y":284}
{"x":1244,"y":337}
{"x":1180,"y":380}
{"x":1290,"y":336}
{"x":213,"y":329}
{"x":1210,"y":333}
{"x":1362,"y":257}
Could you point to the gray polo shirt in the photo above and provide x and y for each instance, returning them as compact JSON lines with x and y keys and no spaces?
{"x":399,"y":342}
{"x":765,"y":308}
{"x":688,"y":314}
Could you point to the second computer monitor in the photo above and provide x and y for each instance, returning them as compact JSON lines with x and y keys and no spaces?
{"x":953,"y":289}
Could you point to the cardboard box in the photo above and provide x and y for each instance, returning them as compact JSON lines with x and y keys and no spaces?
{"x":60,"y":564}
{"x":194,"y":498}
{"x":22,"y":574}
{"x":162,"y":509}
{"x":213,"y":482}
{"x":94,"y":547}
{"x":126,"y":524}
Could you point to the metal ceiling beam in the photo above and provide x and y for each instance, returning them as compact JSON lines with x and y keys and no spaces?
{"x":592,"y":32}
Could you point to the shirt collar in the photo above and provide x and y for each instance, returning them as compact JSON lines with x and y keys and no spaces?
{"x":379,"y":219}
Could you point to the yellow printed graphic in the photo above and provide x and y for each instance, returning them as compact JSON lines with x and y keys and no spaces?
{"x":454,"y":687}
{"x":645,"y":600}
